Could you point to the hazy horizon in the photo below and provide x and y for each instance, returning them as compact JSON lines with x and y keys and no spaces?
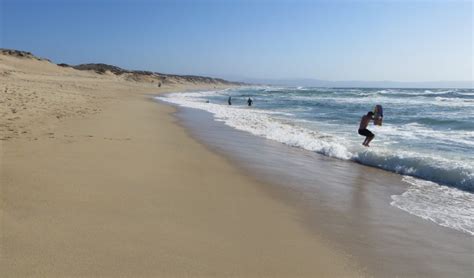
{"x":314,"y":82}
{"x":339,"y":41}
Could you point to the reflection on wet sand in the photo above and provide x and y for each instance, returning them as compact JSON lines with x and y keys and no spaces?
{"x":345,"y":202}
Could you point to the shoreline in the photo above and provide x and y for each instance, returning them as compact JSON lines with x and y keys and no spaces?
{"x":126,"y":192}
{"x":344,"y":202}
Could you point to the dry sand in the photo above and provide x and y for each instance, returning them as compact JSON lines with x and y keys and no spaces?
{"x":98,"y":180}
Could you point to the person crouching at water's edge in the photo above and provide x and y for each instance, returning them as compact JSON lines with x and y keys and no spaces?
{"x":250,"y":101}
{"x":364,"y":122}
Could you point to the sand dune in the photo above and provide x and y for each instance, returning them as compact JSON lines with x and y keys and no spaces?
{"x":37,"y":93}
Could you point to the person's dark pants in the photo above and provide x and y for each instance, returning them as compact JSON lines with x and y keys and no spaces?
{"x":365,"y":132}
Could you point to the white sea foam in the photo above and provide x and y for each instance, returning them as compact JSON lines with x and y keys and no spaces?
{"x":446,"y":206}
{"x":264,"y":123}
{"x":429,"y":92}
{"x":416,"y":131}
{"x":261,"y":123}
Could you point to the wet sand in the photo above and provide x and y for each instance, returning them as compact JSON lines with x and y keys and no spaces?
{"x":346,"y":203}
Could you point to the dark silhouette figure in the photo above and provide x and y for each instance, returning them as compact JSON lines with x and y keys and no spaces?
{"x":229,"y":100}
{"x":249,"y":102}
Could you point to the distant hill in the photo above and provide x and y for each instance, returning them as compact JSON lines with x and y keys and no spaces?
{"x":103,"y":68}
{"x":99,"y":68}
{"x":131,"y":75}
{"x":21,"y":54}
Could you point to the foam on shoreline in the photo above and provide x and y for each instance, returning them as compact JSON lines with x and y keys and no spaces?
{"x":430,"y":168}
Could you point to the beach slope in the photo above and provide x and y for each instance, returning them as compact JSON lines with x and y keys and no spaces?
{"x":99,"y":180}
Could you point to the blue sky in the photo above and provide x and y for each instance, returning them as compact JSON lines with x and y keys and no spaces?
{"x":331,"y":40}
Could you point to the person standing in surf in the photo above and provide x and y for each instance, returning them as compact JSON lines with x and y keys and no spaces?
{"x":364,"y":122}
{"x":229,"y":100}
{"x":249,"y":102}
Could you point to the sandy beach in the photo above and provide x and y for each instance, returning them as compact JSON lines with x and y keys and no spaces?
{"x":99,"y":180}
{"x":236,"y":139}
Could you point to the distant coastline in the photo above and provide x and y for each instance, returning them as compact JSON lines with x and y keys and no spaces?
{"x":358,"y":84}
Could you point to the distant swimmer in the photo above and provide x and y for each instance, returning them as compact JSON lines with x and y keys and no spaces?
{"x":229,"y":100}
{"x":364,"y":122}
{"x":250,"y":101}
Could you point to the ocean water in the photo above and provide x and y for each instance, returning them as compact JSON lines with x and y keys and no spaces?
{"x":427,"y":136}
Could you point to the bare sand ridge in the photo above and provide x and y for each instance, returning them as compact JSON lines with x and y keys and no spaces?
{"x":97,"y":180}
{"x":36,"y":92}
